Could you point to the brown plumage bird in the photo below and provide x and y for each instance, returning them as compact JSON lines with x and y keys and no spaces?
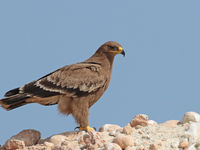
{"x":75,"y":88}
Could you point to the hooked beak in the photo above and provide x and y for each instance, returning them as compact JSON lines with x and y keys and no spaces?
{"x":121,"y":51}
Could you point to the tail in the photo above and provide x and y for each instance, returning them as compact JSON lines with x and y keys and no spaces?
{"x":13,"y":99}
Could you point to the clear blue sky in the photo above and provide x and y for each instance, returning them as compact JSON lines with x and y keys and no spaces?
{"x":159,"y":76}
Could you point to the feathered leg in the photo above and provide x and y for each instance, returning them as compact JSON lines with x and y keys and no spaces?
{"x":80,"y":111}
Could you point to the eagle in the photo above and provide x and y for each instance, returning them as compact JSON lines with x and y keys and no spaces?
{"x":75,"y":88}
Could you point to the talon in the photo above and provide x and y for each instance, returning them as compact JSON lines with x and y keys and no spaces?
{"x":87,"y":129}
{"x":75,"y":129}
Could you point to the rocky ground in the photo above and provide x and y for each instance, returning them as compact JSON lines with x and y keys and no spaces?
{"x":140,"y":134}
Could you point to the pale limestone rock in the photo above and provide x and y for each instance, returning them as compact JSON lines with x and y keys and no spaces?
{"x":13,"y":144}
{"x":170,"y":123}
{"x":123,"y":141}
{"x":57,"y":139}
{"x":91,"y":140}
{"x":111,"y":146}
{"x":48,"y":144}
{"x":193,"y":132}
{"x":141,"y":120}
{"x":128,"y":130}
{"x":152,"y":123}
{"x":191,"y":117}
{"x":70,"y":136}
{"x":68,"y":145}
{"x":129,"y":148}
{"x":37,"y":147}
{"x":109,"y":128}
{"x":192,"y":147}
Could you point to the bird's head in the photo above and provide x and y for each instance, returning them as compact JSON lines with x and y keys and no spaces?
{"x":112,"y":48}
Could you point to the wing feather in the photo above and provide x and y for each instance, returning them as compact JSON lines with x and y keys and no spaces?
{"x":73,"y":80}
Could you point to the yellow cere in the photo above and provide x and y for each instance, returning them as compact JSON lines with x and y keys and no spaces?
{"x":120,"y":48}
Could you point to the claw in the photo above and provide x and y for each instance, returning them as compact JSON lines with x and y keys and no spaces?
{"x":75,"y":129}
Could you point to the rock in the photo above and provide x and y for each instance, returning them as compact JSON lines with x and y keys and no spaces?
{"x":123,"y":141}
{"x":192,"y":147}
{"x":140,"y":134}
{"x":109,"y":128}
{"x":140,"y":119}
{"x":111,"y":146}
{"x":13,"y":144}
{"x":57,"y":139}
{"x":129,"y":148}
{"x":193,"y":132}
{"x":128,"y":130}
{"x":190,"y":117}
{"x":170,"y":123}
{"x":48,"y":144}
{"x":183,"y":144}
{"x":152,"y":122}
{"x":67,"y":145}
{"x":24,"y":138}
{"x":37,"y":147}
{"x":154,"y":147}
{"x":91,"y":140}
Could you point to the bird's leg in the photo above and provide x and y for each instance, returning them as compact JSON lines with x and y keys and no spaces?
{"x":80,"y":111}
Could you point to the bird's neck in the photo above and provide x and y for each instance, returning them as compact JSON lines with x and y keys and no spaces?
{"x":105,"y":59}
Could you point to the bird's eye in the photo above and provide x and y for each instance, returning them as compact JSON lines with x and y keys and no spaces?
{"x":111,"y":47}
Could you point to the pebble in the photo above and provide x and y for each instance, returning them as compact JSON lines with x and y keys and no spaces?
{"x":109,"y":128}
{"x":183,"y":144}
{"x":123,"y":141}
{"x":111,"y":146}
{"x":29,"y":137}
{"x":128,"y":130}
{"x":57,"y":139}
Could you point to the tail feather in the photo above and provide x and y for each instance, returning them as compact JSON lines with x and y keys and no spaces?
{"x":14,"y":101}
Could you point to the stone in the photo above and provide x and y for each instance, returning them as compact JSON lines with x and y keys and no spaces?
{"x":197,"y":146}
{"x":123,"y":141}
{"x":111,"y":146}
{"x":154,"y":147}
{"x":170,"y":123}
{"x":152,"y":123}
{"x":192,"y":147}
{"x":57,"y":139}
{"x":30,"y":137}
{"x":193,"y":132}
{"x":183,"y":144}
{"x":129,"y":148}
{"x":109,"y":128}
{"x":23,"y":138}
{"x":48,"y":144}
{"x":128,"y":130}
{"x":190,"y":117}
{"x":68,"y":145}
{"x":37,"y":147}
{"x":140,"y":119}
{"x":13,"y":144}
